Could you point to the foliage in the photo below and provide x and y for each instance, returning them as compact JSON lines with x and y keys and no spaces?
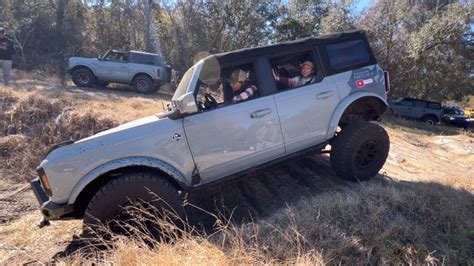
{"x":424,"y":44}
{"x":423,"y":47}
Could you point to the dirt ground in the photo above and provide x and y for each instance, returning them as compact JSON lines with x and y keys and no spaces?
{"x":421,"y":155}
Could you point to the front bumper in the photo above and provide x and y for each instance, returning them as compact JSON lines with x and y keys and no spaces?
{"x":49,"y":209}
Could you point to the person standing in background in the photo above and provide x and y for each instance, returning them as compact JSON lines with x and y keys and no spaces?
{"x":7,"y":50}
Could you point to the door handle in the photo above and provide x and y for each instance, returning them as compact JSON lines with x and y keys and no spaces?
{"x":324,"y":95}
{"x":260,"y":113}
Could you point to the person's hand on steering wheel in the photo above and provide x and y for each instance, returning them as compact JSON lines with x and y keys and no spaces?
{"x":209,"y":101}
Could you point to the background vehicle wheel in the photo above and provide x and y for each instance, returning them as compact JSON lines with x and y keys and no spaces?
{"x":108,"y":206}
{"x":359,"y":151}
{"x":83,"y":77}
{"x":429,"y":119}
{"x":144,"y":84}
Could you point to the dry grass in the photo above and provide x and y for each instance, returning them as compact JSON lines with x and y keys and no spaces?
{"x":419,"y":213}
{"x":31,"y":121}
{"x":381,"y":222}
{"x":24,"y":242}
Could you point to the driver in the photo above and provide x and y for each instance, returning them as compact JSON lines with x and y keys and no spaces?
{"x":242,"y":89}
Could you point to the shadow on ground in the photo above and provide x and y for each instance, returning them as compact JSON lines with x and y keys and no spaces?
{"x":263,"y":192}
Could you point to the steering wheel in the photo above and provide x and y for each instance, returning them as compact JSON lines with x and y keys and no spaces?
{"x":209,"y":102}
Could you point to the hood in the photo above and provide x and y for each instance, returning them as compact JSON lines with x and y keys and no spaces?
{"x":74,"y":60}
{"x":123,"y":127}
{"x":111,"y":139}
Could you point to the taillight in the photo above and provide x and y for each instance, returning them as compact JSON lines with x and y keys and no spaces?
{"x":387,"y":81}
{"x":158,"y":72}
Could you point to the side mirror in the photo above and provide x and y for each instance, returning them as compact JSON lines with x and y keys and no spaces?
{"x":186,"y":104}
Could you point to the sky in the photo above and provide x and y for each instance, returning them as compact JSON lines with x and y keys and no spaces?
{"x":361,"y":5}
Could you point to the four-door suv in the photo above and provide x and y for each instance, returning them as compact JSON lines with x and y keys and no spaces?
{"x":204,"y":139}
{"x":144,"y":71}
{"x":426,"y":111}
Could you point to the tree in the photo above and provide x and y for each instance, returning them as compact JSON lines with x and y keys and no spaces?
{"x":299,"y":19}
{"x":152,"y":42}
{"x":337,"y":19}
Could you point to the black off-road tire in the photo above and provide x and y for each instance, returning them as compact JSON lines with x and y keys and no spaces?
{"x":83,"y":77}
{"x":359,"y":151}
{"x":144,"y":84}
{"x":429,"y":120}
{"x":106,"y":207}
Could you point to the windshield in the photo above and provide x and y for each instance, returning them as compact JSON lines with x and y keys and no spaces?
{"x":183,"y":85}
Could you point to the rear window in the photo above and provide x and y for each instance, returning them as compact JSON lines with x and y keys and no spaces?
{"x":434,"y":105}
{"x":143,"y":59}
{"x":348,"y":54}
{"x":420,"y":104}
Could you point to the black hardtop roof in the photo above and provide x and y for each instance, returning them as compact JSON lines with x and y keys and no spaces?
{"x":133,"y":51}
{"x":295,"y":45}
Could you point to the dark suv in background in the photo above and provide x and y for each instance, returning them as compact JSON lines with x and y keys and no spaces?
{"x":426,"y":111}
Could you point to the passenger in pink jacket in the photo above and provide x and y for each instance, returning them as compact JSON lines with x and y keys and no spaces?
{"x":306,"y":77}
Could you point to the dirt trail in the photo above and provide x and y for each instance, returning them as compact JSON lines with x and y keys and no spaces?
{"x":15,"y":202}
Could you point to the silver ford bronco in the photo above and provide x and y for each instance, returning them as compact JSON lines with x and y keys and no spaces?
{"x":206,"y":137}
{"x":146,"y":72}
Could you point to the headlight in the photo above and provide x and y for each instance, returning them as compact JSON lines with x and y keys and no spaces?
{"x":44,"y":181}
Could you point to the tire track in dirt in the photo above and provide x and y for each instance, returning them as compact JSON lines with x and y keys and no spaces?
{"x":15,"y":203}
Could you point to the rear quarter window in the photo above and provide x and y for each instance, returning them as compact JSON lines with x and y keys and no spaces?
{"x":434,"y":105}
{"x":420,"y":104}
{"x":348,"y":55}
{"x":143,"y":59}
{"x":406,"y":103}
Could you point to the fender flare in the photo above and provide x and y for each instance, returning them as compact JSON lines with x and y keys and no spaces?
{"x":122,"y":163}
{"x":140,"y":73}
{"x":84,"y":66}
{"x":342,"y":106}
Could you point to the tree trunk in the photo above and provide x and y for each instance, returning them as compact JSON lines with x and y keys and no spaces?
{"x":60,"y":42}
{"x":152,"y":41}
